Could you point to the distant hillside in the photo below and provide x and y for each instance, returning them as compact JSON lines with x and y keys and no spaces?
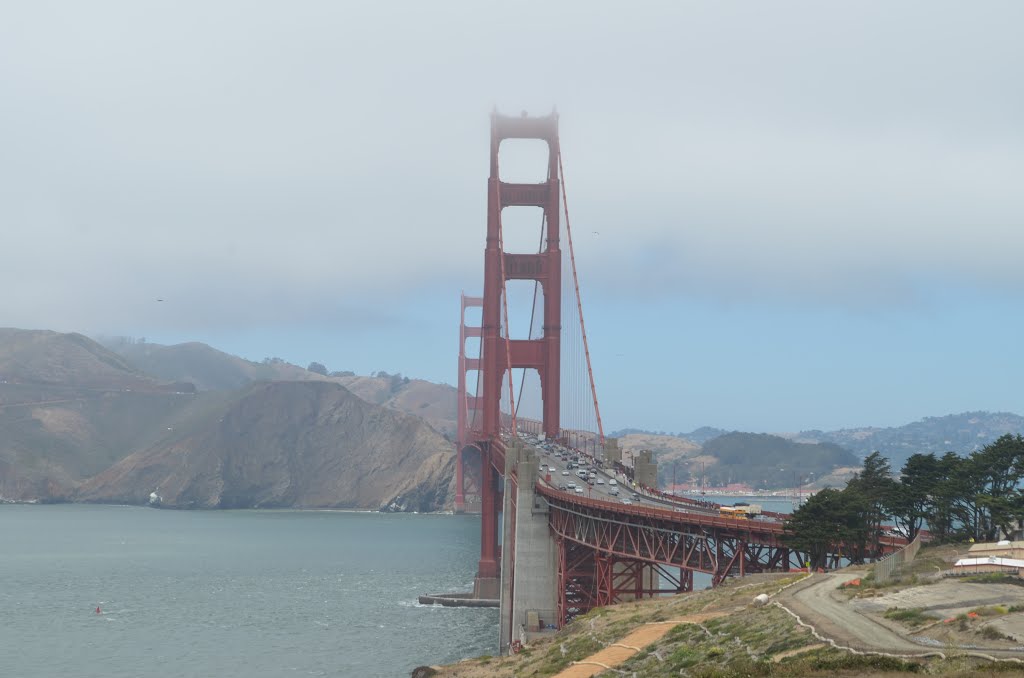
{"x":210,"y":369}
{"x":78,"y":422}
{"x":697,"y":436}
{"x":677,"y":457}
{"x":70,"y":408}
{"x":432,"y":402}
{"x":766,"y":461}
{"x":758,"y":460}
{"x":67,"y":360}
{"x":309,"y":444}
{"x":961,"y":433}
{"x":202,"y":365}
{"x":48,"y":447}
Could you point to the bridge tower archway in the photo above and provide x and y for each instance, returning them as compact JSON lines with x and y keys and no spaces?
{"x":499,"y":354}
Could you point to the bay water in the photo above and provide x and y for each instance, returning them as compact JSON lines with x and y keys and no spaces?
{"x":229,"y":594}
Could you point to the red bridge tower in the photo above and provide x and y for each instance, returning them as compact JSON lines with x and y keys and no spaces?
{"x":500,"y":354}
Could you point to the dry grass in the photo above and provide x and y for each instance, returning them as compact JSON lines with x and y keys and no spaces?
{"x":732,"y":638}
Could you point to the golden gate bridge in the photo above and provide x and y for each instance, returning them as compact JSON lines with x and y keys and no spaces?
{"x":548,"y":552}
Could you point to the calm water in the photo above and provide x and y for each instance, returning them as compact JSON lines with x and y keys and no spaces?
{"x":233,"y":593}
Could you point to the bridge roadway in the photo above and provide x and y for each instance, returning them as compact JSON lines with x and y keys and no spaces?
{"x":635,"y":501}
{"x":601,"y":488}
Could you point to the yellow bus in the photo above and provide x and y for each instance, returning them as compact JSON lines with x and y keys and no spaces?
{"x":742,"y":511}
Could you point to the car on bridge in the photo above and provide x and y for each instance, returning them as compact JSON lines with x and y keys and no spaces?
{"x":613,"y":482}
{"x":565,"y":473}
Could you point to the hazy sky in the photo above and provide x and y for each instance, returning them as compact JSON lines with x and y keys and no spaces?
{"x":809,"y":213}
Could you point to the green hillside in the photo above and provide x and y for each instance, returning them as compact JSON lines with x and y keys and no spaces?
{"x":767,"y":461}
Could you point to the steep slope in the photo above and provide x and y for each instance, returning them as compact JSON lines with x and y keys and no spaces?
{"x":210,"y":369}
{"x":302,"y":444}
{"x":68,"y":360}
{"x":433,"y":402}
{"x":204,"y":366}
{"x":69,"y":409}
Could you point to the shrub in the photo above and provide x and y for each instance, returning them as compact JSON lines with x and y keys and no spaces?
{"x":914,"y":616}
{"x":990,"y":611}
{"x":855,"y":662}
{"x":992,"y":633}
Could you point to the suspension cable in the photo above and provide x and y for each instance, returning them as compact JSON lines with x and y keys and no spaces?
{"x":579,"y":303}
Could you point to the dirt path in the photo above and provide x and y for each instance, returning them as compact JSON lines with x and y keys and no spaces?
{"x":797,"y":650}
{"x":838,"y":620}
{"x":615,"y":654}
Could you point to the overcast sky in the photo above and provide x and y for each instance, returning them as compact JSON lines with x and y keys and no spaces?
{"x":809,"y":213}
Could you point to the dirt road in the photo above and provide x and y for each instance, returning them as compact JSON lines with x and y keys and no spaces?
{"x":838,"y":620}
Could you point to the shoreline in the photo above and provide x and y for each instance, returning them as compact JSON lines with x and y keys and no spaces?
{"x":281,"y":509}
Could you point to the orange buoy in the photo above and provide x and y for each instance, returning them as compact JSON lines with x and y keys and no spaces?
{"x":98,"y":610}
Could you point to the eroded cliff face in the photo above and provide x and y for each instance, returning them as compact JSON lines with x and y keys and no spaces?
{"x":290,"y":444}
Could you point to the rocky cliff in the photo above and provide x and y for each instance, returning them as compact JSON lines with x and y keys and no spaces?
{"x":81,"y":423}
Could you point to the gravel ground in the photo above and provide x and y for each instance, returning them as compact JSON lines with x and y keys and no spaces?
{"x":859,"y":623}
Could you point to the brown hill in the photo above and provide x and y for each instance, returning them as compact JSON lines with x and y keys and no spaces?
{"x":69,"y":409}
{"x":433,"y":402}
{"x":204,"y":366}
{"x":310,"y":444}
{"x":67,"y":360}
{"x":79,"y":422}
{"x":49,"y":445}
{"x":210,"y":369}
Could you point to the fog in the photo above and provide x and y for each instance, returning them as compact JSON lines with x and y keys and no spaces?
{"x":312,"y":167}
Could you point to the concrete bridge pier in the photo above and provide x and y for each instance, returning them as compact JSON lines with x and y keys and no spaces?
{"x":529,"y":573}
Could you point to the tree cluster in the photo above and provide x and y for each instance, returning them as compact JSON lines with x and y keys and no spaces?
{"x":973,"y":497}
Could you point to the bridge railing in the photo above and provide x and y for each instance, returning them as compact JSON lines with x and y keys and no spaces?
{"x":701,"y":519}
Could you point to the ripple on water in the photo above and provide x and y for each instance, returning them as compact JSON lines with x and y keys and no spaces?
{"x":235,"y":593}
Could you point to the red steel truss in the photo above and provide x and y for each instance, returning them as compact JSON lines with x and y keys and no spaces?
{"x":610,"y":552}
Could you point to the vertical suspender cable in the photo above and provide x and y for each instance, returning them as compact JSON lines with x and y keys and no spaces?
{"x":579,"y":304}
{"x":533,"y":310}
